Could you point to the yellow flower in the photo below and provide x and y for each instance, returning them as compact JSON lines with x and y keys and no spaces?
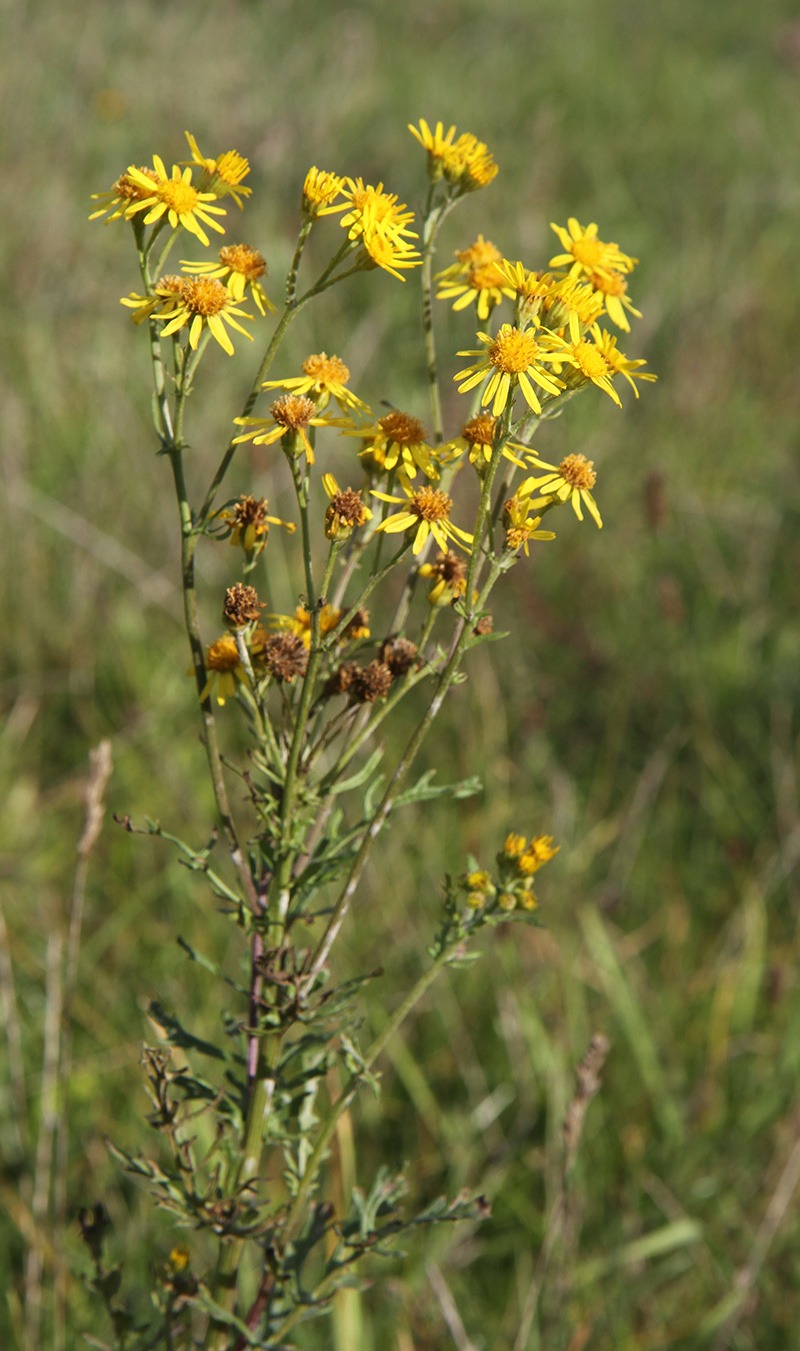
{"x":166,"y":296}
{"x":346,"y":511}
{"x":520,"y":526}
{"x":320,"y":191}
{"x":468,"y":164}
{"x":205,"y":303}
{"x":322,"y":377}
{"x":618,"y":363}
{"x":450,"y":572}
{"x":586,"y":253}
{"x":538,"y":852}
{"x":571,"y":480}
{"x":175,"y":197}
{"x":427,"y":512}
{"x":397,"y":438}
{"x":530,"y":288}
{"x":239,"y":267}
{"x":478,"y":277}
{"x":122,"y":195}
{"x":589,"y":365}
{"x":249,"y":523}
{"x":291,"y":415}
{"x":514,"y":845}
{"x":222,"y":176}
{"x":367,"y":207}
{"x":224,"y":669}
{"x":513,"y":358}
{"x":613,"y":287}
{"x":381,"y":247}
{"x":477,"y":437}
{"x":571,"y":304}
{"x":436,"y":143}
{"x":300,"y":622}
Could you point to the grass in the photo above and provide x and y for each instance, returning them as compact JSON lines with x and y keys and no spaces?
{"x":642,"y":708}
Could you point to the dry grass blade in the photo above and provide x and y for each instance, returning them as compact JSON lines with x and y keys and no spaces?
{"x":448,"y":1307}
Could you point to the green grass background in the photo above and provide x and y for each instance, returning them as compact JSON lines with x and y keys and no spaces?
{"x":643,"y":708}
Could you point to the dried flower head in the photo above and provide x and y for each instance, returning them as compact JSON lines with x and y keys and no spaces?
{"x":292,"y":415}
{"x":285,"y":655}
{"x":370,"y":683}
{"x":399,"y":654}
{"x":340,"y":680}
{"x":450,"y":572}
{"x":346,"y":511}
{"x":242,"y":606}
{"x":357,"y":625}
{"x":123,"y":194}
{"x":484,"y":625}
{"x":249,"y":522}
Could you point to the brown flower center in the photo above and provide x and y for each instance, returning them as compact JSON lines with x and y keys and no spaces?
{"x":578,"y":472}
{"x":204,"y":295}
{"x":347,"y":505}
{"x":431,"y":504}
{"x":250,"y":510}
{"x":513,"y":351}
{"x":402,"y":429}
{"x":128,"y":191}
{"x":479,"y":430}
{"x":242,"y":606}
{"x":293,"y":411}
{"x":240,"y":258}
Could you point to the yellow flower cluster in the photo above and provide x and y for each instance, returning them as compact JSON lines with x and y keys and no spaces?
{"x":511,"y":886}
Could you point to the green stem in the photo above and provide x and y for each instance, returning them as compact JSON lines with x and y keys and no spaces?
{"x":433,"y":220}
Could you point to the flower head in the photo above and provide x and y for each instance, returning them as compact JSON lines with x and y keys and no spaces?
{"x":468,"y":164}
{"x":300,"y":622}
{"x":204,"y":302}
{"x":176,"y":198}
{"x":242,"y":606}
{"x":249,"y":523}
{"x":530,"y":288}
{"x":478,"y":277}
{"x":166,"y":295}
{"x":588,"y":365}
{"x":123,"y":194}
{"x":291,"y":416}
{"x":346,"y":511}
{"x":520,"y":526}
{"x":618,"y":363}
{"x":284,"y":655}
{"x":239,"y":266}
{"x":222,"y":176}
{"x":478,"y":438}
{"x":586,"y":253}
{"x":450,"y":572}
{"x":437,"y":144}
{"x":397,"y":438}
{"x":426,"y":512}
{"x":613,"y":287}
{"x":320,"y":191}
{"x":224,"y":668}
{"x":381,"y":247}
{"x":572,"y":304}
{"x":323,"y":377}
{"x":572,"y":480}
{"x":514,"y":357}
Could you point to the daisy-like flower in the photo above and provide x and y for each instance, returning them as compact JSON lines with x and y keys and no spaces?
{"x":366,"y":207}
{"x":437,"y":144}
{"x":320,"y":191}
{"x":586,"y":364}
{"x":531,"y":289}
{"x":574,"y":305}
{"x":571,"y":480}
{"x":397,"y":438}
{"x":249,"y":523}
{"x":450,"y":572}
{"x":222,"y":176}
{"x":291,"y":415}
{"x":122,"y":195}
{"x":346,"y":511}
{"x":183,"y":204}
{"x":618,"y":363}
{"x":426,"y":511}
{"x":613,"y":287}
{"x":381,"y":247}
{"x":205,"y":303}
{"x":477,"y":439}
{"x":520,"y":526}
{"x":166,"y":295}
{"x":468,"y":164}
{"x":300,"y":622}
{"x":323,"y":377}
{"x":513,"y":358}
{"x":537,"y":853}
{"x":239,"y":267}
{"x":224,"y":669}
{"x":477,"y":276}
{"x":586,"y":253}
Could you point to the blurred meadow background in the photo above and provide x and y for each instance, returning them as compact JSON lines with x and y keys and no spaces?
{"x":642,"y":708}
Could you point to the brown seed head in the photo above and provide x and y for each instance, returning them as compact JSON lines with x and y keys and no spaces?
{"x":285,"y":655}
{"x":371,"y":683}
{"x":357,"y":625}
{"x":251,"y":511}
{"x":242,"y":606}
{"x":348,"y":508}
{"x":452,"y":570}
{"x":399,"y":654}
{"x":484,"y":625}
{"x":340,"y":680}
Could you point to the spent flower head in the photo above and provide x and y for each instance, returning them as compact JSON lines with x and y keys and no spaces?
{"x":291,"y":416}
{"x":249,"y":523}
{"x":239,"y":267}
{"x":346,"y":510}
{"x":449,"y":571}
{"x":123,"y":194}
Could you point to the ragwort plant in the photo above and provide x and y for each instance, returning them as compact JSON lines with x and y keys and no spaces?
{"x":242,"y":1162}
